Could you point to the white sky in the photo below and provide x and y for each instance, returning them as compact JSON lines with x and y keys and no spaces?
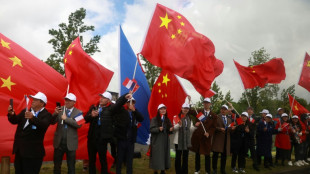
{"x":236,"y":27}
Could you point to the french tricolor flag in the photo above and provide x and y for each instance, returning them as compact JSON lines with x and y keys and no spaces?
{"x":200,"y":116}
{"x":252,"y":120}
{"x":129,"y":84}
{"x":79,"y":119}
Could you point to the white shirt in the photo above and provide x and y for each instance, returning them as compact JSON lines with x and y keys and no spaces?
{"x":33,"y":113}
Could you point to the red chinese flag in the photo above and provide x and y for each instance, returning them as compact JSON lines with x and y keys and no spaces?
{"x":22,"y":73}
{"x":86,"y":77}
{"x":167,"y":90}
{"x":304,"y":79}
{"x":272,"y":71}
{"x":173,"y":44}
{"x":297,"y":109}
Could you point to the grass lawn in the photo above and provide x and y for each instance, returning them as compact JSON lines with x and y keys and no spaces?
{"x":141,"y":166}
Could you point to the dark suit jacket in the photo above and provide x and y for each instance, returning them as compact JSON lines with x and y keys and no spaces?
{"x":72,"y":135}
{"x":29,"y":142}
{"x":122,"y":122}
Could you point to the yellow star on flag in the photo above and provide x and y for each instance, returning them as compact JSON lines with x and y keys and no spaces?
{"x":158,"y":84}
{"x":70,"y":52}
{"x":165,"y":21}
{"x":172,"y":36}
{"x":166,"y":79}
{"x":179,"y":17}
{"x":179,"y":31}
{"x":308,"y":65}
{"x":7,"y":83}
{"x":166,"y":95}
{"x":296,"y":108}
{"x":159,"y":91}
{"x":5,"y":44}
{"x":16,"y":61}
{"x":65,"y":60}
{"x":182,"y":23}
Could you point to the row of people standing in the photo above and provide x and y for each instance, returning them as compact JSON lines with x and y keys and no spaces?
{"x":224,"y":134}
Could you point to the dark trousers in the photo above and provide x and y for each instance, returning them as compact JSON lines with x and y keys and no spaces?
{"x":297,"y":150}
{"x":58,"y":155}
{"x":125,"y":151}
{"x":253,"y":154}
{"x":27,"y":165}
{"x":181,"y":161}
{"x":241,"y":160}
{"x":113,"y":145}
{"x":99,"y":147}
{"x":215,"y":158}
{"x":267,"y":160}
{"x":207,"y":162}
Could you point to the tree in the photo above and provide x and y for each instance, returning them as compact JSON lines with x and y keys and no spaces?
{"x":151,"y":72}
{"x":65,"y":34}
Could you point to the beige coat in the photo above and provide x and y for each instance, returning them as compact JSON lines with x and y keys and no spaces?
{"x":219,"y":136}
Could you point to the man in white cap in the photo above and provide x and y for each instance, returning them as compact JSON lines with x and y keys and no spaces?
{"x":101,"y":128}
{"x":201,"y":140}
{"x":126,"y":121}
{"x":263,"y":113}
{"x":265,"y":130}
{"x":31,"y":127}
{"x":66,"y":136}
{"x":221,"y":139}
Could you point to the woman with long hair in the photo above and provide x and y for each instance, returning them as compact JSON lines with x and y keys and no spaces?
{"x":160,"y":129}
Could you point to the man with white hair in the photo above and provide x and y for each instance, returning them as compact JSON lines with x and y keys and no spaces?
{"x":31,"y":128}
{"x":101,"y":128}
{"x":66,"y":136}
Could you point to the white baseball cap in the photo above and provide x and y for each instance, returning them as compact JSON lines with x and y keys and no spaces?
{"x":279,"y":109}
{"x":245,"y":114}
{"x":71,"y":97}
{"x":106,"y":95}
{"x":295,"y":116}
{"x":224,"y":106}
{"x":185,"y":105}
{"x":264,"y":111}
{"x":207,"y":100}
{"x":284,"y":115}
{"x":161,"y":106}
{"x":269,"y":115}
{"x":39,"y":96}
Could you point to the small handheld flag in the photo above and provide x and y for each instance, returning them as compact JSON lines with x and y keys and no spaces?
{"x":79,"y":119}
{"x":176,"y":120}
{"x":200,"y":116}
{"x":132,"y":85}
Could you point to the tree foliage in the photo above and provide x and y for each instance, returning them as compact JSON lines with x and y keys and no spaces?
{"x":65,"y":34}
{"x":151,"y":72}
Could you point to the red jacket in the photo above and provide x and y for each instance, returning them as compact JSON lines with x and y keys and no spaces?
{"x":283,"y":137}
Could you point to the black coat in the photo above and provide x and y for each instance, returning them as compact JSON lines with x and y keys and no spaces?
{"x":264,"y":138}
{"x":240,"y":139}
{"x":123,"y":123}
{"x":106,"y":130}
{"x":29,"y":142}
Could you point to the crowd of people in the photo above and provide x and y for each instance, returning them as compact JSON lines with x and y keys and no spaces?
{"x":223,"y":134}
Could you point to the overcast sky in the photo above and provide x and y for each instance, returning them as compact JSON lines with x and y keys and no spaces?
{"x":236,"y":27}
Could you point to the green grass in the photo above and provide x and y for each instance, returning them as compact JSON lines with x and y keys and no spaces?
{"x":141,"y":166}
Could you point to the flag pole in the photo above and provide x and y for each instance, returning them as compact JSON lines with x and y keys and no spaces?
{"x":134,"y":72}
{"x":292,"y":105}
{"x":62,"y":121}
{"x":246,"y":96}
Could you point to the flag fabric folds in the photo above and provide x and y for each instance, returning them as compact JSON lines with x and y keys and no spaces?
{"x":128,"y":61}
{"x":173,"y":44}
{"x":272,"y":71}
{"x":167,"y":90}
{"x":87,"y":78}
{"x":22,"y":73}
{"x":304,"y":79}
{"x":297,"y":108}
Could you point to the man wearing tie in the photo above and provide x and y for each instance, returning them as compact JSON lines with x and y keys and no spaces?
{"x":66,"y":137}
{"x":201,"y":139}
{"x":221,"y":139}
{"x":28,"y":142}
